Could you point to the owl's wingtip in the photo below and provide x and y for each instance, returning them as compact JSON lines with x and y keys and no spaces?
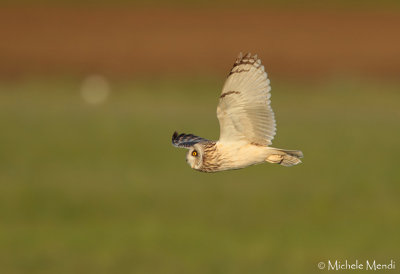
{"x":247,"y":55}
{"x":174,"y":138}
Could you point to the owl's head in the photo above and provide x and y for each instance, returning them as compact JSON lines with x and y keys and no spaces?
{"x":202,"y":154}
{"x":194,"y":157}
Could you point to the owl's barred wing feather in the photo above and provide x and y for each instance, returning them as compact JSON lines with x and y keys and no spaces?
{"x":186,"y":140}
{"x":244,"y":110}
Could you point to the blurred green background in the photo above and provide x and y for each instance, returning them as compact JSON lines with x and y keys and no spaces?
{"x":90,"y":183}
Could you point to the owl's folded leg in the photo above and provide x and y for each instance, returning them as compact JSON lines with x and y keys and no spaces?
{"x":284,"y":158}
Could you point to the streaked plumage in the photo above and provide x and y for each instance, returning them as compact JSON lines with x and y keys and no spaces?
{"x":247,"y":124}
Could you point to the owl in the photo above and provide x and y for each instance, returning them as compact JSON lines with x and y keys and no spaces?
{"x":247,"y":124}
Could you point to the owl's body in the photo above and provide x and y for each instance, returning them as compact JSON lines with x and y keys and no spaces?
{"x":247,"y":125}
{"x":240,"y":154}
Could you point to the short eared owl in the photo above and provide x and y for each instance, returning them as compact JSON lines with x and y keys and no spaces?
{"x":247,"y":124}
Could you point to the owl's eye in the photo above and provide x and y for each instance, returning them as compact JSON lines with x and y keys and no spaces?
{"x":194,"y":153}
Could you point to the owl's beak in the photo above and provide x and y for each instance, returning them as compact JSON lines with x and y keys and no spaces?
{"x":191,"y":165}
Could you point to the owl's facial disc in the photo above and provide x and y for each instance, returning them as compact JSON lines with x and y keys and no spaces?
{"x":194,"y":157}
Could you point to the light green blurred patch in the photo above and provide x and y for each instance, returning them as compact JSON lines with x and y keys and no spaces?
{"x":99,"y":188}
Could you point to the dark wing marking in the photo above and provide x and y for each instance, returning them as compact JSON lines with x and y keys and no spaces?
{"x":228,"y":93}
{"x":186,"y":140}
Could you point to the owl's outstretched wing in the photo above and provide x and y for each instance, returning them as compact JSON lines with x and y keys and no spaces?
{"x":244,"y":110}
{"x":186,"y":140}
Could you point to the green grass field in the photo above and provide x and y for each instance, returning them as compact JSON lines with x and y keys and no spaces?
{"x":99,"y":188}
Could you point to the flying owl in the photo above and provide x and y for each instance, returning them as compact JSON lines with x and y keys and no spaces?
{"x":247,"y":124}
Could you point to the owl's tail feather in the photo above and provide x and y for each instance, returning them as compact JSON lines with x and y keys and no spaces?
{"x":284,"y":157}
